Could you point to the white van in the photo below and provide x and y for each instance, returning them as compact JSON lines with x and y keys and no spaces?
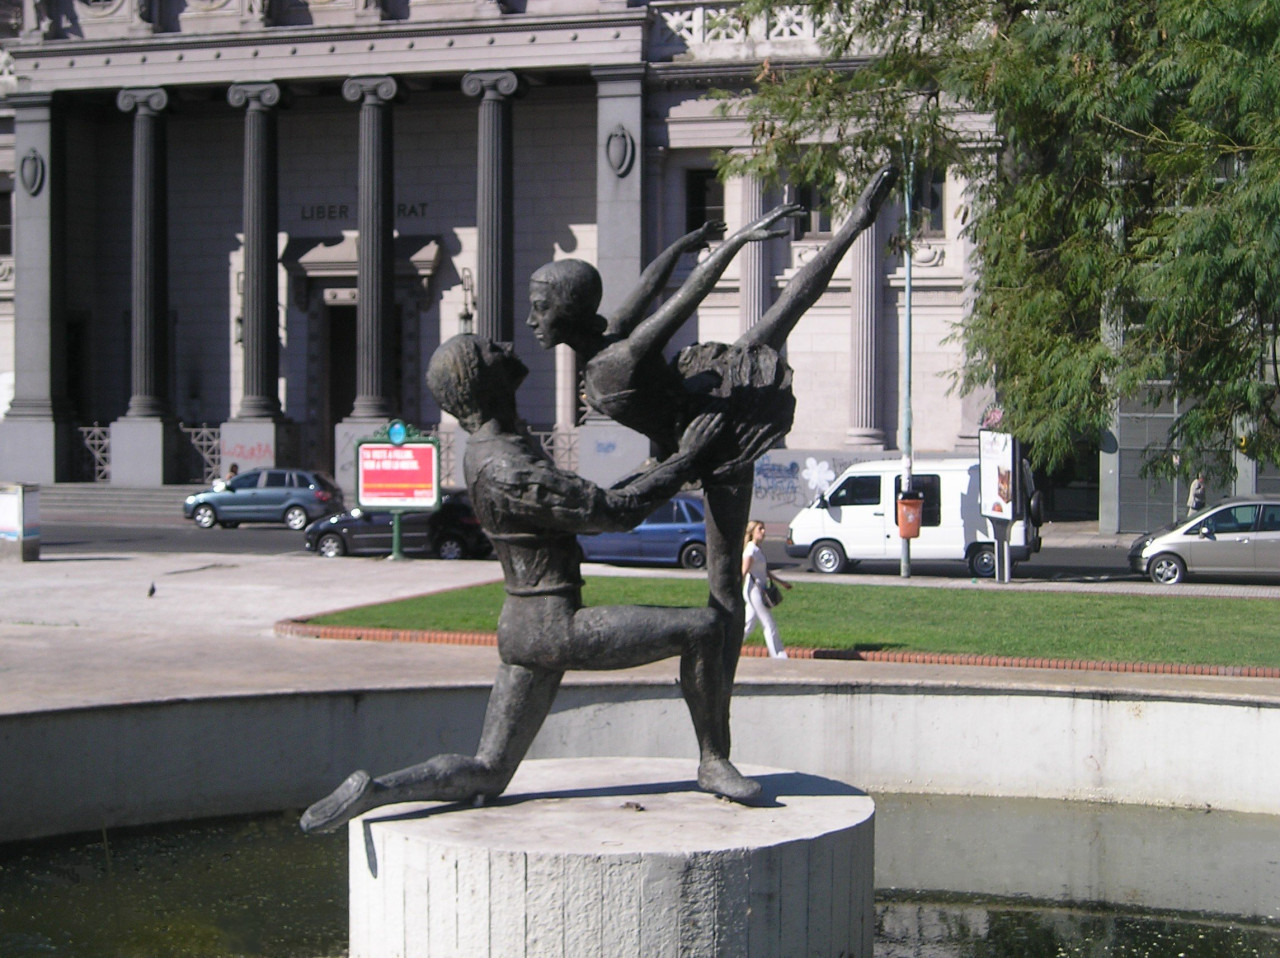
{"x":855,"y":519}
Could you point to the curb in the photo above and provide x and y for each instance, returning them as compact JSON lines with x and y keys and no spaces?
{"x":301,"y":628}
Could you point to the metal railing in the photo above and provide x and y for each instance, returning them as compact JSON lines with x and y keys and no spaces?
{"x":560,"y":445}
{"x":206,"y":442}
{"x":97,"y":448}
{"x":204,"y":455}
{"x":447,"y":461}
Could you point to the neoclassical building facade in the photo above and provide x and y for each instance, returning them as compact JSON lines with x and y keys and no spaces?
{"x":240,"y":228}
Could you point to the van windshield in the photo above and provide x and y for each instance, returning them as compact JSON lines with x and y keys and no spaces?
{"x":856,"y":491}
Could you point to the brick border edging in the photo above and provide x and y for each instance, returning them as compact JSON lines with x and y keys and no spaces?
{"x":300,"y":628}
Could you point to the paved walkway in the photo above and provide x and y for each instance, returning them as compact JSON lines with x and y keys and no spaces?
{"x":84,"y":631}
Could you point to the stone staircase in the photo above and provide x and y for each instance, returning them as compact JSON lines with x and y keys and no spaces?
{"x":103,"y":502}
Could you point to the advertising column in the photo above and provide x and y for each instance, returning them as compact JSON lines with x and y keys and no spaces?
{"x":998,"y":478}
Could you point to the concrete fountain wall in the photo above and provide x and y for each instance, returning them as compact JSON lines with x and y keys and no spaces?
{"x":981,"y":732}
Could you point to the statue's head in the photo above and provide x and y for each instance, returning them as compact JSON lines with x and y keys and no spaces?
{"x":563,"y":299}
{"x":475,"y":379}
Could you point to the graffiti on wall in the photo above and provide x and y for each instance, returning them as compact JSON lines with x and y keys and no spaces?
{"x":787,"y":480}
{"x":248,"y":455}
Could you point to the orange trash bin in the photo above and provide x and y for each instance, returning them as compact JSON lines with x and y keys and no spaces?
{"x":910,"y":512}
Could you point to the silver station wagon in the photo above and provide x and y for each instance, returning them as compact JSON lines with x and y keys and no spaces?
{"x":1233,"y":537}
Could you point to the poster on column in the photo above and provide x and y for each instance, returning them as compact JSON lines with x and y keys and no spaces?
{"x":393,"y":475}
{"x":997,"y":477}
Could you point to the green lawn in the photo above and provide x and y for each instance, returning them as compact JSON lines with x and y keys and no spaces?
{"x":1162,"y":627}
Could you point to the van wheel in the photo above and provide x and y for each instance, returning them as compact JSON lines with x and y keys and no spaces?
{"x":982,"y":562}
{"x":828,"y":557}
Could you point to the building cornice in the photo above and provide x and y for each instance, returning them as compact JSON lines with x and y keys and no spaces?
{"x":445,"y":48}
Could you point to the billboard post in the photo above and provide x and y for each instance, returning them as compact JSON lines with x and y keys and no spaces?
{"x":999,"y":479}
{"x":398,"y":468}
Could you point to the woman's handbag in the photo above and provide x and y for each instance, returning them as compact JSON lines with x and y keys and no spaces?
{"x":772,"y":596}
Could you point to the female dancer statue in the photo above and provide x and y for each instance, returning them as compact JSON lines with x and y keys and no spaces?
{"x":628,"y":380}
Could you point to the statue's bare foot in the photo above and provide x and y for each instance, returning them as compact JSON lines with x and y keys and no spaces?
{"x":348,"y":800}
{"x":718,"y":776}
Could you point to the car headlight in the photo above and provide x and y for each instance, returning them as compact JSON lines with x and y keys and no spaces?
{"x":191,"y":500}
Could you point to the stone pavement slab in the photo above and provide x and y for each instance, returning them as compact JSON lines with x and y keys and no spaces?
{"x":88,"y":631}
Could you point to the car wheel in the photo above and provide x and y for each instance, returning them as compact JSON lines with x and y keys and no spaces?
{"x":295,"y":517}
{"x":331,"y":546}
{"x":1167,"y":569}
{"x":694,"y":556}
{"x":451,"y":547}
{"x":204,"y":516}
{"x":828,"y":557}
{"x":982,"y":562}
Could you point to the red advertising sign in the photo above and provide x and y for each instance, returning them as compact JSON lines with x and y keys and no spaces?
{"x":391,"y":476}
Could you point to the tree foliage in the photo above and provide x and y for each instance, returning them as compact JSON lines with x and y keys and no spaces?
{"x":1124,"y":162}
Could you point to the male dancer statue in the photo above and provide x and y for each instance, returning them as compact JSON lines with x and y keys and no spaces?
{"x":532,"y":511}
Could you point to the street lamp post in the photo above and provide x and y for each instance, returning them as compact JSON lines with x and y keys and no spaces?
{"x":904,"y":347}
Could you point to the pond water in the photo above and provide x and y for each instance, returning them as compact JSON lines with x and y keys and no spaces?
{"x":258,"y":888}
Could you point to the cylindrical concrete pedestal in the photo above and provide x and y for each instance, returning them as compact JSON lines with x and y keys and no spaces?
{"x":617,"y":857}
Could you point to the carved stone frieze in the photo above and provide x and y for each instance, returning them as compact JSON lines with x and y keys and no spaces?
{"x":683,"y":31}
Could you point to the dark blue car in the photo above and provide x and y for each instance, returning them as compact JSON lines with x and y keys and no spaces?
{"x":675,"y":533}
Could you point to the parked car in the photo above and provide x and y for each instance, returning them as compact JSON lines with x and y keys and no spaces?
{"x":675,"y":533}
{"x":292,"y":496}
{"x":451,"y":532}
{"x":1238,"y":536}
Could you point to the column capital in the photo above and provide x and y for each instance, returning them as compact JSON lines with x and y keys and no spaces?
{"x":256,"y":96}
{"x":376,"y":89}
{"x":632,"y":74}
{"x":151,"y":99}
{"x":492,"y":84}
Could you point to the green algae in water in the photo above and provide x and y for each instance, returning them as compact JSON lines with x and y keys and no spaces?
{"x":258,"y":888}
{"x":231,"y":888}
{"x":919,"y":926}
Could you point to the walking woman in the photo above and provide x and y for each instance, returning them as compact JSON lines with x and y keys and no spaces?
{"x":755,"y":577}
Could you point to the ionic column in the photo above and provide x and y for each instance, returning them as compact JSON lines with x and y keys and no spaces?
{"x":261,"y":398}
{"x":144,"y":441}
{"x":495,"y":299}
{"x":375,"y":271}
{"x":753,"y":277}
{"x":150,"y":296}
{"x":865,"y":293}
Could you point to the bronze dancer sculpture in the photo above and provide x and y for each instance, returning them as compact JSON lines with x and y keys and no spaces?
{"x":532,"y":511}
{"x":628,"y":380}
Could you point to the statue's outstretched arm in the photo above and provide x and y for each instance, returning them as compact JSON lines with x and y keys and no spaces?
{"x":551,"y":499}
{"x":655,"y":276}
{"x":811,"y":280}
{"x":653,"y":334}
